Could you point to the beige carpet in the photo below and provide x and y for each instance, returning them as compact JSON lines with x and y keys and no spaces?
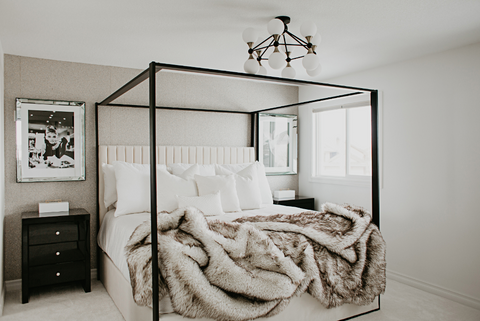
{"x":400,"y":302}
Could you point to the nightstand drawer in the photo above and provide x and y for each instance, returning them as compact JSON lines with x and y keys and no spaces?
{"x":58,"y":273}
{"x":52,"y":233}
{"x":54,"y":253}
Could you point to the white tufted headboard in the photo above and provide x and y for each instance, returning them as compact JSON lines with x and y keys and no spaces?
{"x":168,"y":155}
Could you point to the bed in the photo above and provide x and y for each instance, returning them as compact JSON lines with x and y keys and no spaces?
{"x":113,"y":274}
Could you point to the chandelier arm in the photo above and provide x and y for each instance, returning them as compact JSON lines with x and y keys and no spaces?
{"x":300,"y":41}
{"x":297,"y":57}
{"x":266,"y":48}
{"x":285,"y":42}
{"x":261,"y":43}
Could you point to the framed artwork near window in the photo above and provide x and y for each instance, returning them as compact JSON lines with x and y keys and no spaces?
{"x":50,"y":140}
{"x":278,"y":143}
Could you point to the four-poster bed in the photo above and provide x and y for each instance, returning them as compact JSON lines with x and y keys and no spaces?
{"x":164,"y":155}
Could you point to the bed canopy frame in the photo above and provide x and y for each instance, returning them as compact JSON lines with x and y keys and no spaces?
{"x":150,"y":74}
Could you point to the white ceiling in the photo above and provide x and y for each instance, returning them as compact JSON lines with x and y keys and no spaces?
{"x":357,"y":35}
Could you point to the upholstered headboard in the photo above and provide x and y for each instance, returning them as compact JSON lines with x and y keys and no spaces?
{"x":168,"y":155}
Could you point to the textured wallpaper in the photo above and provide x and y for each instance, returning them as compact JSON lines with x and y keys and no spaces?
{"x":49,"y":79}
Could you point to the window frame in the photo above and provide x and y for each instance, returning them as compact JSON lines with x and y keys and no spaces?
{"x":348,"y":179}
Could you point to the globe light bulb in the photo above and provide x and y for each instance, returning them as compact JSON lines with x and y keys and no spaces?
{"x":276,"y":59}
{"x":310,"y":61}
{"x":251,"y":65}
{"x":288,"y":72}
{"x":308,"y":28}
{"x":249,"y":35}
{"x":316,"y":39}
{"x":262,"y":71}
{"x":315,"y":72}
{"x":275,"y":27}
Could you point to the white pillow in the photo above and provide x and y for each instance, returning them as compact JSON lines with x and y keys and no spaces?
{"x":265,"y":191}
{"x":204,"y":170}
{"x":169,"y":186}
{"x":223,"y":184}
{"x":132,"y":187}
{"x":210,"y":204}
{"x":247,"y":185}
{"x":109,"y":184}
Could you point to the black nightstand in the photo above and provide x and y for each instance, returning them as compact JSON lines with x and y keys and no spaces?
{"x":55,"y":249}
{"x":307,"y":203}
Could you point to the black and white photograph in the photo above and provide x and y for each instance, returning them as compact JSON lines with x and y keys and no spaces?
{"x":49,"y":140}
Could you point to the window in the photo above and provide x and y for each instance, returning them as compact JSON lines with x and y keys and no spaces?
{"x":342,"y":143}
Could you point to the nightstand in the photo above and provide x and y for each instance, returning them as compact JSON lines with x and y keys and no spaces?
{"x":307,"y":203}
{"x":55,"y":249}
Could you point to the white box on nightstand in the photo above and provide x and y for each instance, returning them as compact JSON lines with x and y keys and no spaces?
{"x":284,"y":194}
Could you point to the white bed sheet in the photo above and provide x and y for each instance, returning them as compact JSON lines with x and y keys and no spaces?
{"x":115,"y":231}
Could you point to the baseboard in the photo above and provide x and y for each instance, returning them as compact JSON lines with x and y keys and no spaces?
{"x":16,"y":285}
{"x":434,"y":289}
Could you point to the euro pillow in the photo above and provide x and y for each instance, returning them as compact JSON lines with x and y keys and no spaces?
{"x":225,"y":184}
{"x":132,"y":187}
{"x":209,"y":204}
{"x":205,"y":170}
{"x":265,"y":191}
{"x":169,"y":186}
{"x":246,"y":182}
{"x":109,"y":184}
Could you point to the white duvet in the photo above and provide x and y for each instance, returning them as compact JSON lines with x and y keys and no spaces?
{"x":115,"y":231}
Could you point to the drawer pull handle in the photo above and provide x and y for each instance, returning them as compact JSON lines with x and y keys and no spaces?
{"x":57,"y":274}
{"x":57,"y":253}
{"x":57,"y":233}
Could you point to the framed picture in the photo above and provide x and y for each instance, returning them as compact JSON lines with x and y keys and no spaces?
{"x":278,"y":143}
{"x":50,"y":140}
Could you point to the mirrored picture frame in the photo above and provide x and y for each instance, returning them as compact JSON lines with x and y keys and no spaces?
{"x":278,"y":143}
{"x":50,"y":139}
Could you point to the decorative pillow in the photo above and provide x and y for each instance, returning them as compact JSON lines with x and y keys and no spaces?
{"x":246,"y":181}
{"x":169,"y":186}
{"x":109,"y":184}
{"x":210,"y":204}
{"x":132,"y":192}
{"x":133,"y":188}
{"x":204,"y":170}
{"x":223,"y":184}
{"x":265,"y":192}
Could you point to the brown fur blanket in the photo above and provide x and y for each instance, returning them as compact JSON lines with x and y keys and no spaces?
{"x":253,"y":266}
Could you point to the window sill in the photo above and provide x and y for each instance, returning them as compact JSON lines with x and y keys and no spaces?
{"x":358,"y":182}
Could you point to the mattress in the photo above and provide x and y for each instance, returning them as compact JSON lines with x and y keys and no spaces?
{"x":115,"y":232}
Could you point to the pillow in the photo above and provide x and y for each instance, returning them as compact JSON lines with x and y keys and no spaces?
{"x":132,"y":187}
{"x":210,"y":204}
{"x":265,"y":192}
{"x":246,"y":182}
{"x":169,"y":186}
{"x":109,"y":182}
{"x":204,"y":170}
{"x":223,"y":184}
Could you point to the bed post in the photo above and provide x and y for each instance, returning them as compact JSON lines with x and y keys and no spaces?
{"x":98,"y":186}
{"x":153,"y":189}
{"x":375,"y":167}
{"x":257,"y":136}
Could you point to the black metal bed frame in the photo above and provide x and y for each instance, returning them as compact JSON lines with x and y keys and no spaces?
{"x":150,"y":74}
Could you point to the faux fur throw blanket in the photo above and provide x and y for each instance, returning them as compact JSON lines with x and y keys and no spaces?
{"x":252,"y":267}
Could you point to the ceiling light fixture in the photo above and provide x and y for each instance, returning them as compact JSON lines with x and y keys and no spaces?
{"x":283,"y":51}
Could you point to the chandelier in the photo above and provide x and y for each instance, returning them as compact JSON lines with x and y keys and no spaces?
{"x":284,"y":44}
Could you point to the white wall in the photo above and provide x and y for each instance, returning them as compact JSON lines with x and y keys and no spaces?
{"x":2,"y":180}
{"x":431,"y":178}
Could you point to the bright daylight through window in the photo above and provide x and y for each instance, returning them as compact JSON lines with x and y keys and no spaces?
{"x":343,"y":143}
